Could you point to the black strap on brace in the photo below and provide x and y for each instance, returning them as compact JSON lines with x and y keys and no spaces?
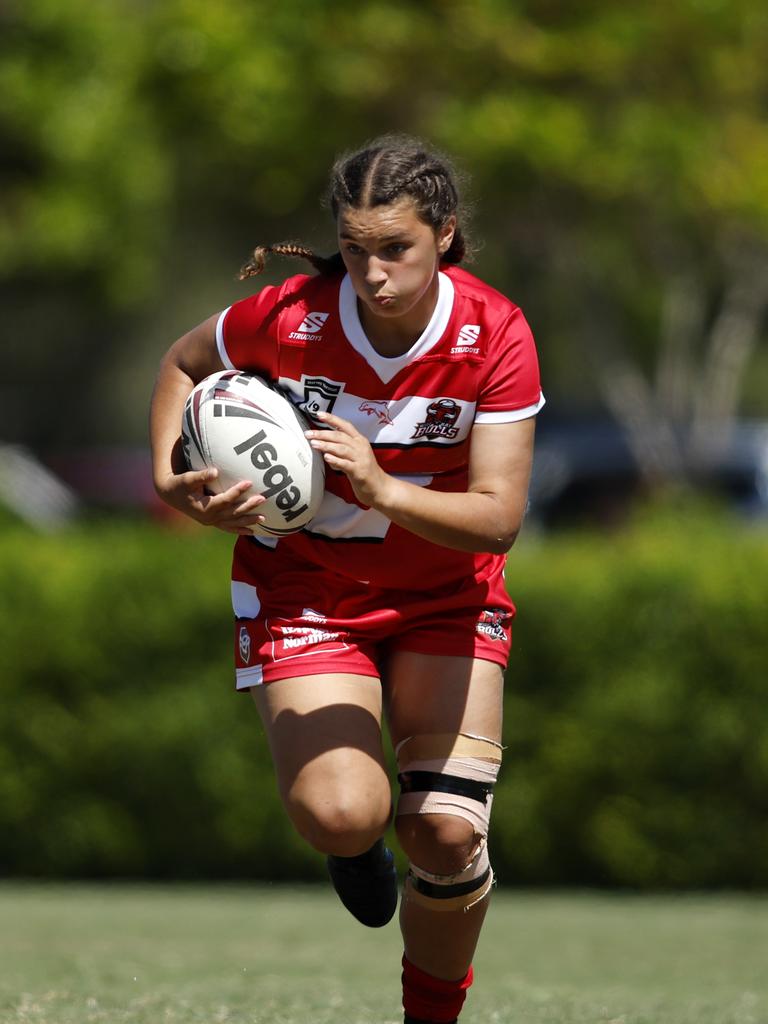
{"x":437,"y":782}
{"x":447,"y":892}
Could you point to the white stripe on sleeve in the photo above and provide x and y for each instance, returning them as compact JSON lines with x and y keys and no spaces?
{"x":510,"y":415}
{"x":223,"y":354}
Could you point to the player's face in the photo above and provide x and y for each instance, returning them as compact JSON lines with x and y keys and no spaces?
{"x":392,"y":257}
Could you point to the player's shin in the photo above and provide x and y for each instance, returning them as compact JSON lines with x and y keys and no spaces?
{"x":441,"y":919}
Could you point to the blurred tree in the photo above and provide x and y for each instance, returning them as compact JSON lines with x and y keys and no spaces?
{"x":636,"y":140}
{"x":85,"y":176}
{"x":618,"y":154}
{"x":86,"y":185}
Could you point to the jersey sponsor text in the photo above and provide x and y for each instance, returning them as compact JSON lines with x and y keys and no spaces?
{"x":310,"y":327}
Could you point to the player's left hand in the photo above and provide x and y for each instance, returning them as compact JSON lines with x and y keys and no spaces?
{"x":344,"y":448}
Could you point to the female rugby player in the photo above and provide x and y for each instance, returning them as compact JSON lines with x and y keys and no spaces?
{"x":422,"y":386}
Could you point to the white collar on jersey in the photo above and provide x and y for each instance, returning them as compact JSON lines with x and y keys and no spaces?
{"x":387,"y":366}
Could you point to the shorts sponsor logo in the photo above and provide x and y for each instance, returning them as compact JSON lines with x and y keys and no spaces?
{"x":244,"y":642}
{"x":291,"y":640}
{"x":310,"y":328}
{"x":378,"y":409}
{"x":440,"y":421}
{"x":303,"y":636}
{"x":491,"y":622}
{"x":320,"y":394}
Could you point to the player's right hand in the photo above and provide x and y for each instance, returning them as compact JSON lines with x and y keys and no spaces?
{"x":230,"y":511}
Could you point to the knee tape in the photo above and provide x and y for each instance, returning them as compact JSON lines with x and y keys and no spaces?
{"x":447,"y":774}
{"x":452,"y":892}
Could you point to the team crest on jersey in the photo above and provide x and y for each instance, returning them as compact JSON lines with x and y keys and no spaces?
{"x":320,"y":394}
{"x":491,"y":624}
{"x":441,"y":420}
{"x":245,"y":644}
{"x":378,"y":409}
{"x":310,"y":327}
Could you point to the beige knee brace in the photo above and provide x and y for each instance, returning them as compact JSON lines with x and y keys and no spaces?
{"x":450,"y":774}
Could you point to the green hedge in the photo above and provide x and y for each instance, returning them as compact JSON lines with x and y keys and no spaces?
{"x":635,"y":711}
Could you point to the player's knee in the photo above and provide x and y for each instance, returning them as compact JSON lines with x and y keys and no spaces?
{"x":442,"y":843}
{"x":446,"y":792}
{"x":344,"y":826}
{"x":446,"y":787}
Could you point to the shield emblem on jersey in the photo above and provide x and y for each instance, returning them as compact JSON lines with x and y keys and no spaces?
{"x":320,"y":394}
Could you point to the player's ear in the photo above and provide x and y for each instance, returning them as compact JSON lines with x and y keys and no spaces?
{"x":445,"y":235}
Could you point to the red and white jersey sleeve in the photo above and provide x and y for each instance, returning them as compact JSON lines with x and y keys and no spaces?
{"x":246,"y":336}
{"x":511,"y":389}
{"x":475,"y":362}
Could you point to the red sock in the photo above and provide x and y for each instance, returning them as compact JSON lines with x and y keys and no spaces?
{"x":428,"y":998}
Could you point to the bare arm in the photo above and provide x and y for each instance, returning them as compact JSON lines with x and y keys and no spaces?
{"x":487,"y":517}
{"x":190,"y":359}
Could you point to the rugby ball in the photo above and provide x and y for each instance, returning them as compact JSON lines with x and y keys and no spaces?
{"x":238,"y":423}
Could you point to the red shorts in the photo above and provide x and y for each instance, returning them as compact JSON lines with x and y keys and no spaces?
{"x":294,"y":618}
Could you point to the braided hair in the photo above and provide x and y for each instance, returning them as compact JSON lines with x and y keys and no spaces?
{"x":388,"y":169}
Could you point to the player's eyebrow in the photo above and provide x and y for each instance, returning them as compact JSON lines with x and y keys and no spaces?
{"x":386,"y":238}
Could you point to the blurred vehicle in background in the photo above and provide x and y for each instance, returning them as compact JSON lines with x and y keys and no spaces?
{"x":585,"y":472}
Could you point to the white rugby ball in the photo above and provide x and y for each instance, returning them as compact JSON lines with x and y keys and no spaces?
{"x":236,"y":422}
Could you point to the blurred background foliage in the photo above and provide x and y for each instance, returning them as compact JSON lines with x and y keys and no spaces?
{"x":617,"y":157}
{"x":616,"y":164}
{"x":637,"y":741}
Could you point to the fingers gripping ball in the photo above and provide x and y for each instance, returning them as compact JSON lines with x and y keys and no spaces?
{"x":237,"y":423}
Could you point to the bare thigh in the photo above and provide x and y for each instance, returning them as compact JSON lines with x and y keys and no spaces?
{"x":427,"y":693}
{"x":324,"y":732}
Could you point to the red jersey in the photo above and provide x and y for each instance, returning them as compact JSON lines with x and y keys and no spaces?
{"x":474,"y":363}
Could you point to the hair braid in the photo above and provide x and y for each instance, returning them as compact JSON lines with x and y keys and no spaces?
{"x":255,"y":263}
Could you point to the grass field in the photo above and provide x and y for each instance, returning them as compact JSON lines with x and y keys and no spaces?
{"x":270,"y":955}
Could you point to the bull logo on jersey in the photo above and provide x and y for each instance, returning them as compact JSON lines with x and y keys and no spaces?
{"x":491,"y":623}
{"x":378,"y":409}
{"x":441,"y":420}
{"x":244,"y":641}
{"x":320,"y":394}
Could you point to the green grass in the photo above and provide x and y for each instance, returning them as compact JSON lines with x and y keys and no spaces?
{"x":268,"y":955}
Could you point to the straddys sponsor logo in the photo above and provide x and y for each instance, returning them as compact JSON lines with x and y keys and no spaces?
{"x":310,"y":328}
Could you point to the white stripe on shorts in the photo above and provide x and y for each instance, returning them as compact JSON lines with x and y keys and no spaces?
{"x":247,"y":677}
{"x":245,"y":600}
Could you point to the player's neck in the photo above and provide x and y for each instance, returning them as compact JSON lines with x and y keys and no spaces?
{"x":387,"y":340}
